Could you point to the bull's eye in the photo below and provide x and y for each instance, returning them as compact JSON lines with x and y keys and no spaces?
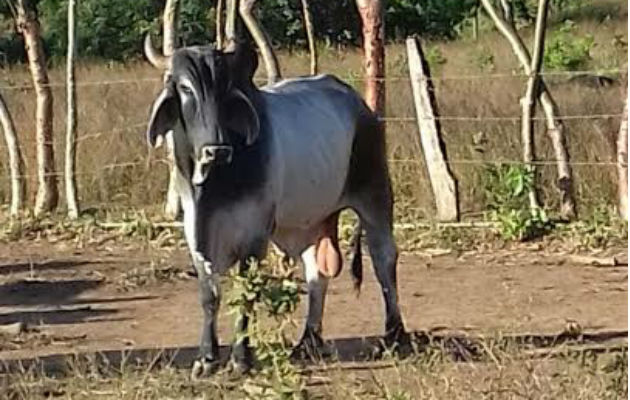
{"x":185,"y":89}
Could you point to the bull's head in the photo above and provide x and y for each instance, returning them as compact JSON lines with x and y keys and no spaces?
{"x":206,"y":103}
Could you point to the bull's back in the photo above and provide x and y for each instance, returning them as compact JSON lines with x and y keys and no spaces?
{"x":312,"y":122}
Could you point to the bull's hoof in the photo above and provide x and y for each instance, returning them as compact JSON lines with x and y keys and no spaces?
{"x":311,"y":348}
{"x":203,"y":368}
{"x":397,"y":342}
{"x":241,"y":359}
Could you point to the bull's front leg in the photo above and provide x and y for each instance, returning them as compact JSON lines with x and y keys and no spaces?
{"x":242,"y":356}
{"x":210,"y":298}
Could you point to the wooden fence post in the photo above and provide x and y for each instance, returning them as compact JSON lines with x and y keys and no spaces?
{"x":442,"y":181}
{"x":71,"y":122}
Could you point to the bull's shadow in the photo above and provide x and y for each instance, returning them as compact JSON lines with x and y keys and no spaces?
{"x":44,"y":292}
{"x":352,"y":353}
{"x":34,"y":267}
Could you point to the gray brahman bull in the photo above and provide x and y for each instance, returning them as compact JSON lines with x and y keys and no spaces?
{"x":272,"y":164}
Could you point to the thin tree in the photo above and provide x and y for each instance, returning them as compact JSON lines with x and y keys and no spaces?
{"x":555,"y":127}
{"x":272,"y":67}
{"x":230,"y":23}
{"x":16,"y":163}
{"x":310,"y":35}
{"x":219,"y":24}
{"x":71,"y":124}
{"x":373,"y":27}
{"x":172,"y":208}
{"x":622,"y":161}
{"x":28,"y":25}
{"x":528,"y":102}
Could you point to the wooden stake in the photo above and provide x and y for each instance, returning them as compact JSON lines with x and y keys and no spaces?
{"x":442,"y":181}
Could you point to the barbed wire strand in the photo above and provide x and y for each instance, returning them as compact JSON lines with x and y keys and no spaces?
{"x":163,"y":161}
{"x":138,"y":125}
{"x":348,"y":79}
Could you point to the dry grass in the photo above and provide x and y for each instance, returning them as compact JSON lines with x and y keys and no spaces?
{"x":499,"y":372}
{"x":118,"y":112}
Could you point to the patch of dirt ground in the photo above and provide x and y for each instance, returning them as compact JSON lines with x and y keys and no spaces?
{"x":113,"y":298}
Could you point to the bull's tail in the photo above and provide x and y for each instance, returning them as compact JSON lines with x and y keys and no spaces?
{"x":357,"y":259}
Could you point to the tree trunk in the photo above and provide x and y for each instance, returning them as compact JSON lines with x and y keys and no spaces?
{"x":555,"y":127}
{"x":508,"y":11}
{"x":373,"y":26}
{"x":529,"y":100}
{"x":170,"y":22}
{"x":622,"y":162}
{"x":28,"y":25}
{"x":16,"y":163}
{"x":230,"y":23}
{"x":310,"y":35}
{"x":172,"y":208}
{"x":246,"y":10}
{"x":71,"y":124}
{"x":219,"y":24}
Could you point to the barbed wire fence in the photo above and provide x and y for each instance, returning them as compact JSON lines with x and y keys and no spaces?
{"x":149,"y":159}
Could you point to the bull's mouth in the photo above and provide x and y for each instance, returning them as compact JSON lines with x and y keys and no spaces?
{"x":210,"y":156}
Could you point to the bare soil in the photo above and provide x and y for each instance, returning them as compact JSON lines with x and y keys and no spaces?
{"x":112,"y":298}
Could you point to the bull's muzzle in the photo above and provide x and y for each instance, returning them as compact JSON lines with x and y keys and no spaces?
{"x":209,"y":156}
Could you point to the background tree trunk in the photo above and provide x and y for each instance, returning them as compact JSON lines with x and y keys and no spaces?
{"x":529,"y":100}
{"x":373,"y":27}
{"x":28,"y":25}
{"x":555,"y":127}
{"x":16,"y":163}
{"x":310,"y":35}
{"x":246,"y":10}
{"x":172,"y":208}
{"x":622,"y":162}
{"x":230,"y":23}
{"x":71,"y":124}
{"x":219,"y":24}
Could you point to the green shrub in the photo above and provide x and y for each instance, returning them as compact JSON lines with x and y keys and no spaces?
{"x":506,"y":189}
{"x":566,"y":51}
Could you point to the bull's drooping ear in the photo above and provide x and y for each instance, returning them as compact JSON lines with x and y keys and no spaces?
{"x":241,"y":115}
{"x":164,"y":115}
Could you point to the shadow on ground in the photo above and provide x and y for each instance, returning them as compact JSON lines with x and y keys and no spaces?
{"x":356,"y":353}
{"x":17,"y":268}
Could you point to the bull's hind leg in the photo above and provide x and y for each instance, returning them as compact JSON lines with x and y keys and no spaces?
{"x":370,"y":194}
{"x":311,"y":341}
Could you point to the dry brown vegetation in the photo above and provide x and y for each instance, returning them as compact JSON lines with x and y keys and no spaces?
{"x":117,"y":171}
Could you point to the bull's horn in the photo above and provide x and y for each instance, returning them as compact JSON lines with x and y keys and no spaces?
{"x":153,"y":55}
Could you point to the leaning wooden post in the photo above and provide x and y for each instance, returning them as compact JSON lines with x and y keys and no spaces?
{"x":16,"y":162}
{"x":172,"y":208}
{"x":528,"y":102}
{"x":555,"y":127}
{"x":442,"y":181}
{"x":71,"y":122}
{"x":622,"y":162}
